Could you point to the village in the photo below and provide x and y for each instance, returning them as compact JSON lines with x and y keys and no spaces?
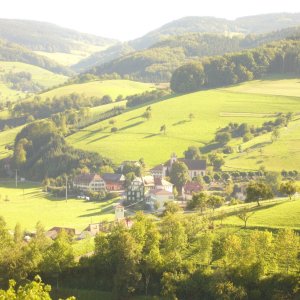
{"x":149,"y":192}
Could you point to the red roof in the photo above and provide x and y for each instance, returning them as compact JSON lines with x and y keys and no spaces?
{"x":192,"y":187}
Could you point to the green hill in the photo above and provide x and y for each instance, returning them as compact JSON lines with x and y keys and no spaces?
{"x":99,"y":88}
{"x":157,"y":63}
{"x":16,"y":53}
{"x":253,"y":24}
{"x":276,"y":214}
{"x":39,"y":75}
{"x":138,"y":138}
{"x":42,"y":36}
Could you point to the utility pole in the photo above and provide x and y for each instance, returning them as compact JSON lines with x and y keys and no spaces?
{"x":66,"y":189}
{"x":16,"y":177}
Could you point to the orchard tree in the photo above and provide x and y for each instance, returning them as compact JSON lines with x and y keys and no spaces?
{"x":288,"y":188}
{"x":257,"y":191}
{"x":244,"y":215}
{"x":163,"y":129}
{"x":215,"y":201}
{"x":199,"y":201}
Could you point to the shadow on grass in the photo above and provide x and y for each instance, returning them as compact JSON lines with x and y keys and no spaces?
{"x":133,"y":118}
{"x":151,"y":135}
{"x":131,"y":125}
{"x":180,"y":122}
{"x":99,"y":139}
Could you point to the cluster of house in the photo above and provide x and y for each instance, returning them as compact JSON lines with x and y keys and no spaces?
{"x":153,"y":189}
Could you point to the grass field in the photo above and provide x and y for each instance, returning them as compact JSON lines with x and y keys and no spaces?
{"x":113,"y":88}
{"x":69,"y":59}
{"x":39,"y":75}
{"x":28,"y":204}
{"x":7,"y":94}
{"x":272,"y":86}
{"x":276,"y":215}
{"x":138,"y":138}
{"x":283,"y":154}
{"x":7,"y":138}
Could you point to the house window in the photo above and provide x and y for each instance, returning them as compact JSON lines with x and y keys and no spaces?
{"x":195,"y":174}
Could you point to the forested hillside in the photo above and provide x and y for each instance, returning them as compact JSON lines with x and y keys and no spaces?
{"x":102,"y":57}
{"x":246,"y":25}
{"x":157,"y":63}
{"x":47,"y":37}
{"x":281,"y":57}
{"x":16,"y":53}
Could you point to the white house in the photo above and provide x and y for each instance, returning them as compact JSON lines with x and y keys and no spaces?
{"x":195,"y":167}
{"x":89,"y":182}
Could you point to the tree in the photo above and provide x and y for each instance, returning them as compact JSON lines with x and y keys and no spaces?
{"x":244,"y":215}
{"x":59,"y":256}
{"x":288,"y":188}
{"x":179,"y":175}
{"x":106,"y":99}
{"x":287,"y":249}
{"x":199,"y":201}
{"x":257,"y":191}
{"x":106,"y":169}
{"x":223,"y":138}
{"x":35,"y":289}
{"x":275,"y":135}
{"x":188,"y":78}
{"x":191,"y":116}
{"x":147,"y":115}
{"x":273,"y":179}
{"x":163,"y":129}
{"x":192,"y":153}
{"x":217,"y":161}
{"x":171,"y":208}
{"x":215,"y":201}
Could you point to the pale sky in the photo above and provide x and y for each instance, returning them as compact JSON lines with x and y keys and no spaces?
{"x":129,"y":19}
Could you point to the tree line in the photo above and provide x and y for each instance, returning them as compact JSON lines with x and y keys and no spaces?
{"x":279,"y":57}
{"x":178,"y":257}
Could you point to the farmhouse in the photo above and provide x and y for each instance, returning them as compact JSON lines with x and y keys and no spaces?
{"x":89,"y":182}
{"x":195,"y":167}
{"x":114,"y":182}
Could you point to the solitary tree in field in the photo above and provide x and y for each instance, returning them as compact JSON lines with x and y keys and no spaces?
{"x":244,"y":215}
{"x":163,"y":129}
{"x":147,"y":114}
{"x":191,"y":116}
{"x":275,"y":135}
{"x":215,"y":201}
{"x":257,"y":191}
{"x":288,"y":188}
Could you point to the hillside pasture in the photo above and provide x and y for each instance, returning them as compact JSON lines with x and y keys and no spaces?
{"x":28,"y":204}
{"x":269,"y":86}
{"x":278,"y":214}
{"x":137,"y":137}
{"x":282,"y":154}
{"x":99,"y":88}
{"x":41,"y":76}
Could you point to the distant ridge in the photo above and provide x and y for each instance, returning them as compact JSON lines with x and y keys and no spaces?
{"x":42,"y":36}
